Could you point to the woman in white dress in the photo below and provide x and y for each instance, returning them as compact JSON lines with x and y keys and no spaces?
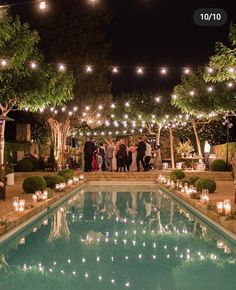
{"x":133,"y":149}
{"x":113,"y":161}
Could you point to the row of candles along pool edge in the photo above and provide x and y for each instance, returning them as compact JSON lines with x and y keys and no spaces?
{"x":222,"y":207}
{"x":19,"y":204}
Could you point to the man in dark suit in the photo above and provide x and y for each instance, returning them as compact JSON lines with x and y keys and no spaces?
{"x":141,"y":153}
{"x":89,"y":148}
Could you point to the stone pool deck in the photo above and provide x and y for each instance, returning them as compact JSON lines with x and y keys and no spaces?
{"x":225,"y":190}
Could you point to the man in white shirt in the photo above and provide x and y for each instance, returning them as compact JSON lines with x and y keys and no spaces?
{"x":148,"y":155}
{"x":207,"y":150}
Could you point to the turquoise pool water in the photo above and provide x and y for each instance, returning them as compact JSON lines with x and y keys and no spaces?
{"x":118,"y":237}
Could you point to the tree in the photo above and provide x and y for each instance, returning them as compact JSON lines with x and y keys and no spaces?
{"x":194,"y":98}
{"x":25,"y":82}
{"x":221,"y":71}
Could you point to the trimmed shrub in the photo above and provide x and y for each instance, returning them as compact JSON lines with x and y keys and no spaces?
{"x":193,"y":179}
{"x":24,"y":165}
{"x":206,"y":183}
{"x":51,"y":181}
{"x":177,"y":174}
{"x":66,"y":173}
{"x":35,"y":162}
{"x":33,"y":183}
{"x":218,"y":165}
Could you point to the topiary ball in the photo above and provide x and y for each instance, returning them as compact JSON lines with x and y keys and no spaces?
{"x":67,"y":173}
{"x":51,"y":181}
{"x":34,"y":183}
{"x":218,"y":165}
{"x":193,"y":179}
{"x":24,"y":165}
{"x":177,"y":174}
{"x":206,"y":183}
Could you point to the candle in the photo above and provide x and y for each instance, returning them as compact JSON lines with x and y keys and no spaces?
{"x":227,"y":206}
{"x":35,"y":198}
{"x":205,"y":196}
{"x":81,"y":177}
{"x":21,"y":205}
{"x":58,"y":186}
{"x":70,"y":182}
{"x":59,"y":167}
{"x":45,"y":195}
{"x":220,"y":207}
{"x":75,"y":179}
{"x":15,"y":203}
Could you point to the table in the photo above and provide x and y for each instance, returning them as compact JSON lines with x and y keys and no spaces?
{"x":191,"y":160}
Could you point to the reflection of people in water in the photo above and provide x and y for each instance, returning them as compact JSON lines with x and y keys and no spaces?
{"x":88,"y":206}
{"x":123,"y":203}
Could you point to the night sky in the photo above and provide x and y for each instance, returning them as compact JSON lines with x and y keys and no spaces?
{"x":156,"y":33}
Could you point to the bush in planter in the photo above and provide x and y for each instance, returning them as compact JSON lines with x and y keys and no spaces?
{"x":35,"y":161}
{"x":66,"y":173}
{"x":33,"y":183}
{"x":177,"y":174}
{"x":24,"y":165}
{"x":218,"y":165}
{"x":193,"y":180}
{"x":9,"y":169}
{"x":52,"y":180}
{"x":206,"y":183}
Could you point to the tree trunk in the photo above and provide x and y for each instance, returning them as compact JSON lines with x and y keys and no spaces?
{"x":158,"y":136}
{"x":2,"y":139}
{"x":59,"y":133}
{"x":197,"y":138}
{"x":172,"y":147}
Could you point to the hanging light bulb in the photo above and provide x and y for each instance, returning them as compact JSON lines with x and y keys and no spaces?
{"x":61,"y":67}
{"x":33,"y":64}
{"x":210,"y":70}
{"x":157,"y":99}
{"x":187,"y":71}
{"x":100,"y":107}
{"x":139,"y":70}
{"x":89,"y":69}
{"x":230,"y":84}
{"x":192,"y":93}
{"x":231,"y":70}
{"x":42,"y":5}
{"x":87,"y":108}
{"x":115,"y":70}
{"x":113,"y":106}
{"x":174,"y":97}
{"x":3,"y":62}
{"x":163,"y":71}
{"x":210,"y":89}
{"x":127,"y":104}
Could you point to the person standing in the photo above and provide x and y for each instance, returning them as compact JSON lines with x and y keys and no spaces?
{"x":89,"y":148}
{"x":102,"y":154}
{"x":207,"y":151}
{"x":133,"y":150}
{"x":158,"y":159}
{"x":148,"y":155}
{"x":109,"y":155}
{"x":122,"y":156}
{"x":141,"y":153}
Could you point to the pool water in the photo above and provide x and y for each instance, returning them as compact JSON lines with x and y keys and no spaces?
{"x":119,"y":237}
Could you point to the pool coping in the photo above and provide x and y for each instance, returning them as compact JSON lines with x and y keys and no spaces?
{"x":44,"y":209}
{"x":200,"y":212}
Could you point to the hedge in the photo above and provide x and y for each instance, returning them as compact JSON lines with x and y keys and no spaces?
{"x":52,"y":180}
{"x":206,"y":183}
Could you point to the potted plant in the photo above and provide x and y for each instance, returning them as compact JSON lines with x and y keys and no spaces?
{"x":10,"y":174}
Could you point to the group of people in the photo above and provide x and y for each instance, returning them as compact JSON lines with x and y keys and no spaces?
{"x":115,"y":155}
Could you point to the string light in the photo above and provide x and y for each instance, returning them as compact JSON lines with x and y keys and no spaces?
{"x":3,"y":62}
{"x":230,"y":84}
{"x":192,"y":93}
{"x":61,"y":67}
{"x":42,"y":5}
{"x":187,"y":71}
{"x":210,"y":89}
{"x":210,"y":70}
{"x":89,"y":69}
{"x":139,"y":70}
{"x":231,"y":70}
{"x":115,"y":70}
{"x":33,"y":65}
{"x":163,"y":71}
{"x":157,"y":99}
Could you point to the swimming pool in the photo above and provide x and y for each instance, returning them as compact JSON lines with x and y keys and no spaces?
{"x":119,"y":237}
